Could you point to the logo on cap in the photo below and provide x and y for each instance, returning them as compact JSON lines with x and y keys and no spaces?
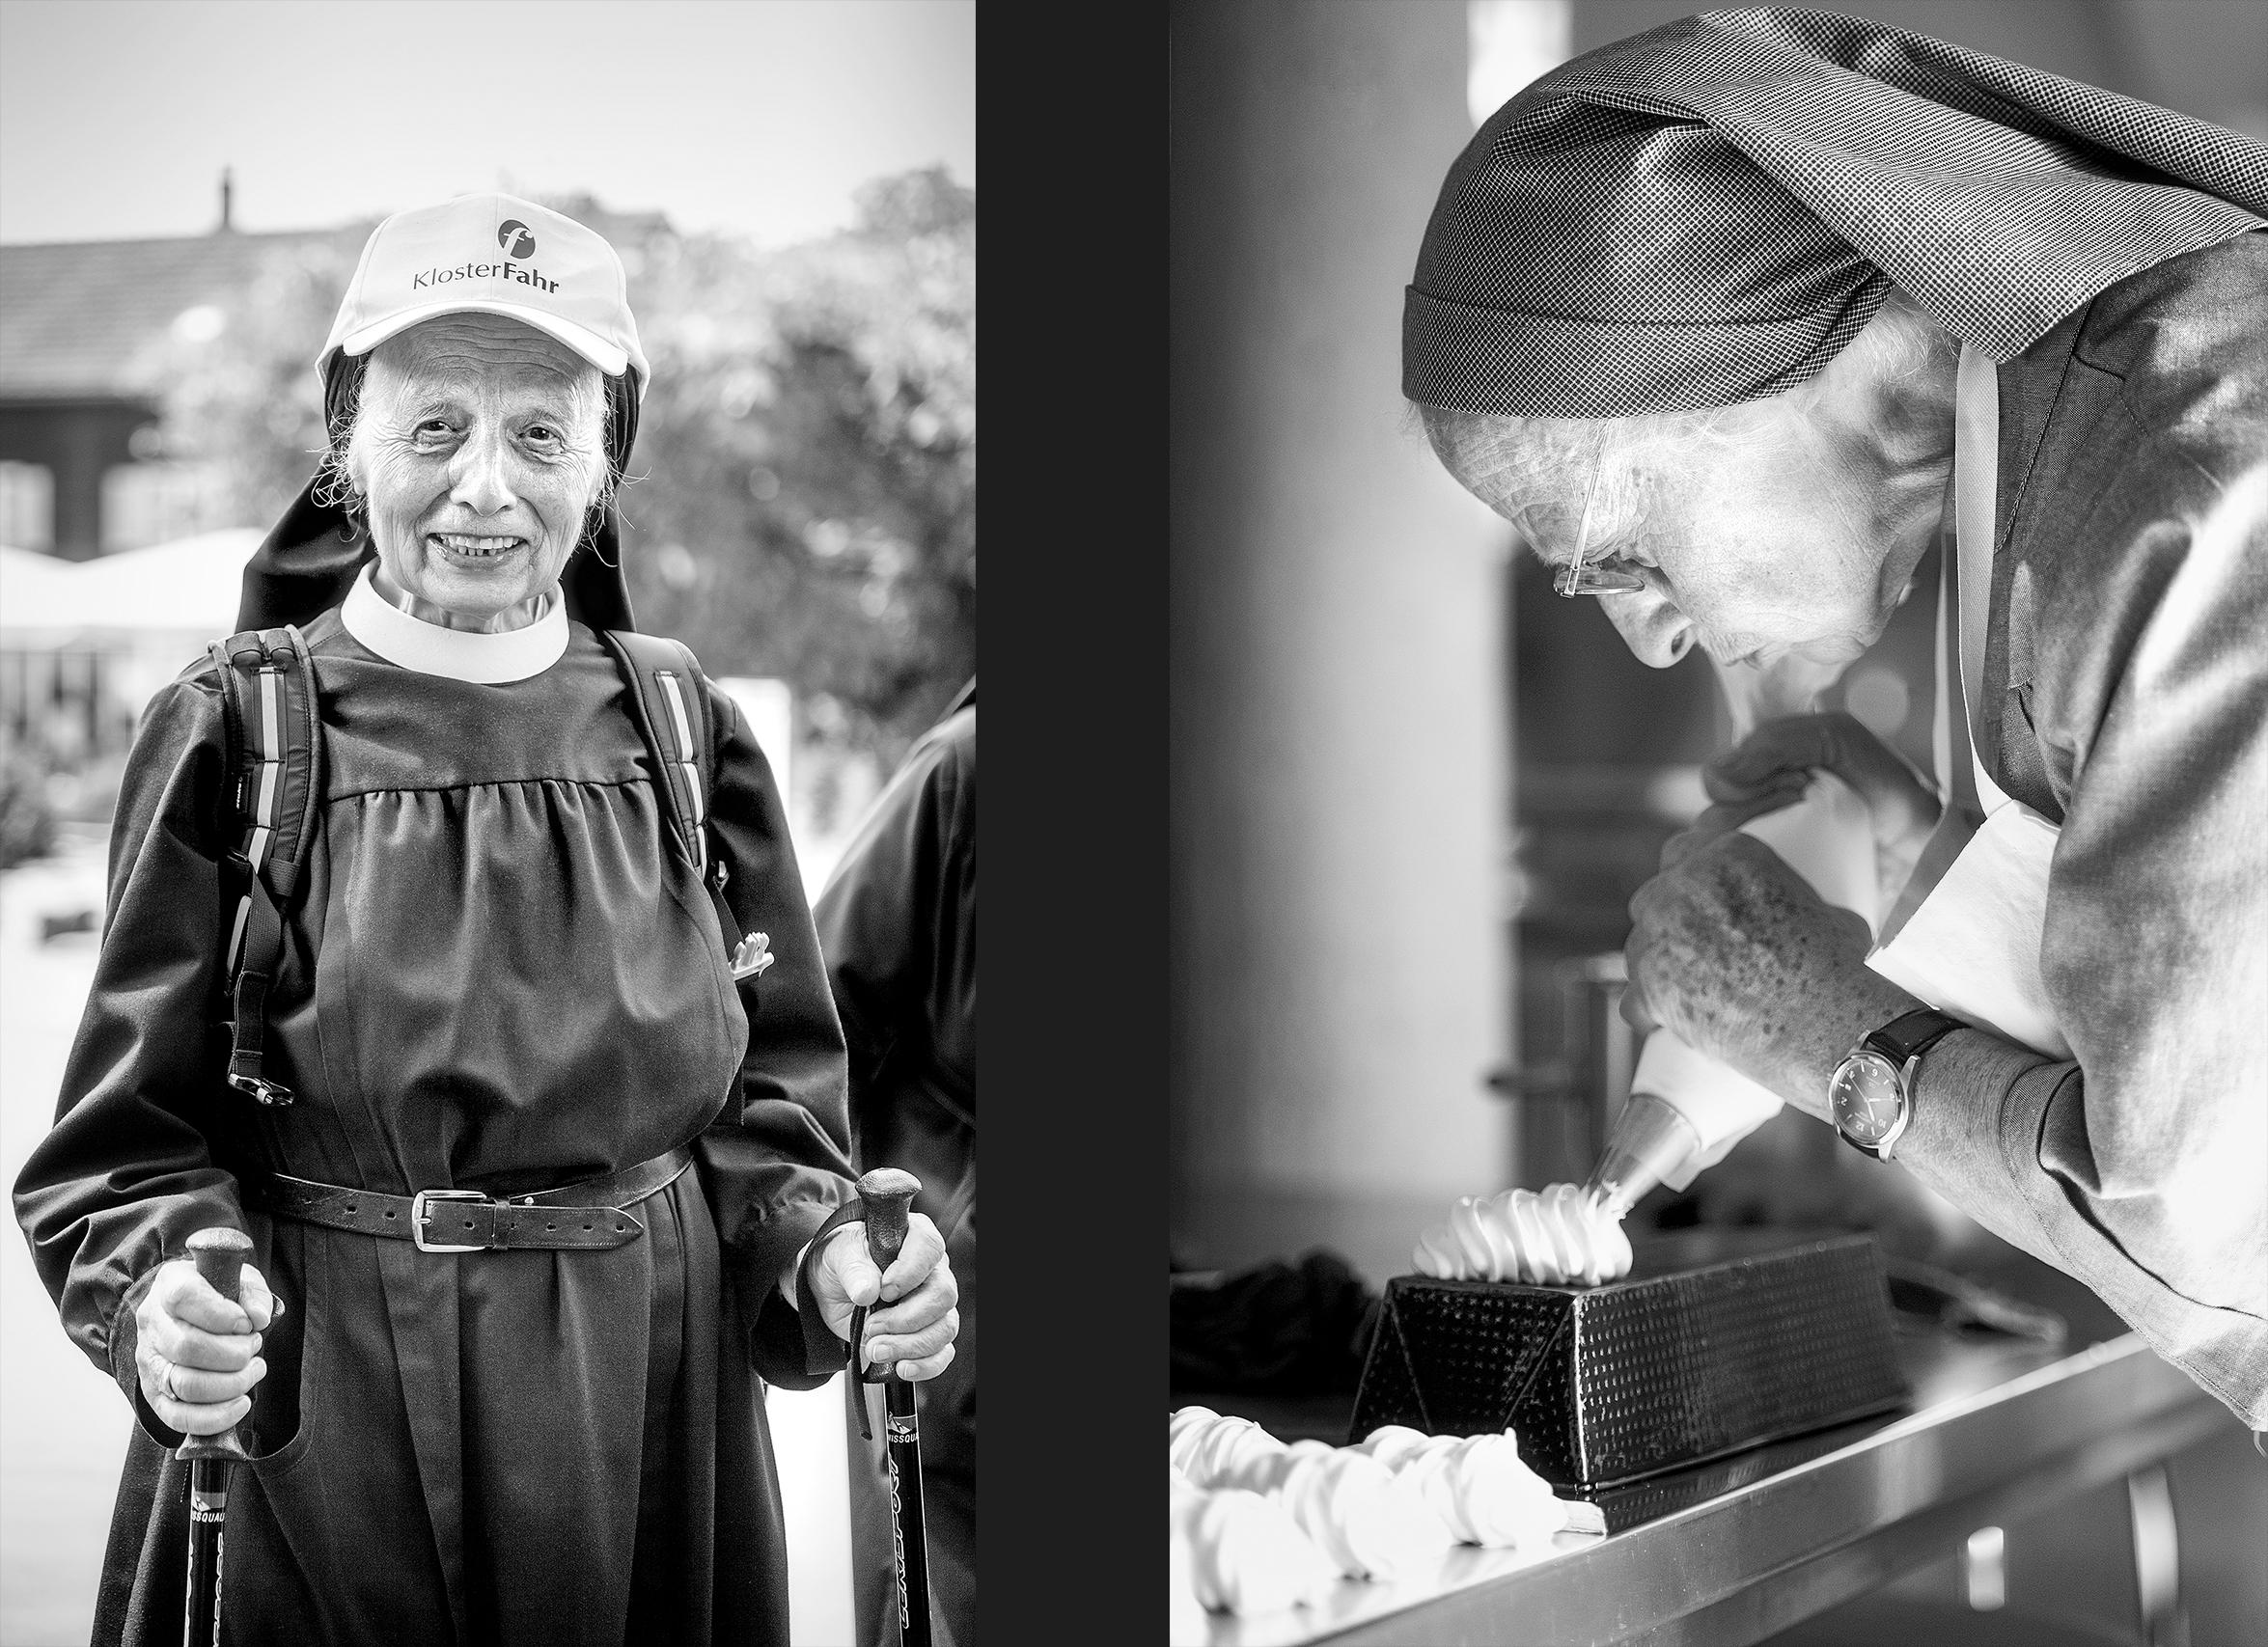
{"x":514,"y":238}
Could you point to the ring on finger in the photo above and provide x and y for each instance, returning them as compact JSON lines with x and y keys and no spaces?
{"x":165,"y":1382}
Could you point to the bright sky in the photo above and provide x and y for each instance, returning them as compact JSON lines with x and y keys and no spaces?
{"x":757,"y":117}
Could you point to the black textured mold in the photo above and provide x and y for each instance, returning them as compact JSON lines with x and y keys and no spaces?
{"x":1716,"y":1341}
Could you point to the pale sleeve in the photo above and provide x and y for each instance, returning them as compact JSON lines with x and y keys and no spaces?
{"x":2140,"y":1164}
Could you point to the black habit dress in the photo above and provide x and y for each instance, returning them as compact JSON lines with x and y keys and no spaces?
{"x":501,"y":979}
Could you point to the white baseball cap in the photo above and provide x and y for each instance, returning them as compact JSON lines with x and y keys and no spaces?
{"x":491,"y":254}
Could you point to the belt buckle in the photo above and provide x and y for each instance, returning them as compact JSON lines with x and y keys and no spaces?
{"x":419,"y":1212}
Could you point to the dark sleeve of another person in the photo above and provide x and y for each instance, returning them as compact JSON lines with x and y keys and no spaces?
{"x":897,"y":925}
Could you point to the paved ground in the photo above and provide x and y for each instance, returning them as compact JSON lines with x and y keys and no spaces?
{"x":63,"y":1424}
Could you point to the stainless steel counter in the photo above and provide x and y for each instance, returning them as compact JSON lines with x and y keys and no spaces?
{"x":1996,"y":1432}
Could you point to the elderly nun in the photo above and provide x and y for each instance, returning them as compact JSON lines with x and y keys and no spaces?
{"x":1727,"y":318}
{"x":503,"y":1002}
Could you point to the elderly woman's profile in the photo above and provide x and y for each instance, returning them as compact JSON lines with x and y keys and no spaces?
{"x":1736,"y":320}
{"x":458,"y":956}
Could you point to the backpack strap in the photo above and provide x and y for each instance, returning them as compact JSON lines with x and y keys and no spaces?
{"x":273,"y":763}
{"x":670,"y":707}
{"x":669,"y":701}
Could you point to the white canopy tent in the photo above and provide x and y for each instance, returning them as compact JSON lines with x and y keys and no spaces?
{"x":187,"y":589}
{"x":84,"y":644}
{"x":36,"y":593}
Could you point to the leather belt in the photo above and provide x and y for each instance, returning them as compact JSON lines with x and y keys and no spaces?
{"x":591,"y":1214}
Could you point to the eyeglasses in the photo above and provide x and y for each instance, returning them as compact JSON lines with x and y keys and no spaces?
{"x":1575,"y":578}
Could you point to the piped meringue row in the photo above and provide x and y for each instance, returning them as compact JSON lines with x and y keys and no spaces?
{"x":1557,"y":1237}
{"x":1217,"y":1452}
{"x":1479,"y":1486}
{"x":1241,"y":1552}
{"x":1366,"y":1523}
{"x":1370,"y":1525}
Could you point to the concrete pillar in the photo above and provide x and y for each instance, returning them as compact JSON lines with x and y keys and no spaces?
{"x":1338,"y":751}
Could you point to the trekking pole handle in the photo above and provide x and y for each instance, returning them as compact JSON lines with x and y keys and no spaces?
{"x":886,"y":1193}
{"x":219,"y":1254}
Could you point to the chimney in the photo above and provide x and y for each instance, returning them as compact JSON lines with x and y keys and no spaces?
{"x":228,"y":188}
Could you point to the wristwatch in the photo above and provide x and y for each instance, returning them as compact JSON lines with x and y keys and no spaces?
{"x":1871,"y":1094}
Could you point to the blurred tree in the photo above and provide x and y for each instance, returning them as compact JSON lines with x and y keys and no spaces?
{"x":810,"y":448}
{"x":803,"y":494}
{"x":244,"y":399}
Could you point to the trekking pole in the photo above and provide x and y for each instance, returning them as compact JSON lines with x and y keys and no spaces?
{"x":220,"y":1256}
{"x":885,"y":1194}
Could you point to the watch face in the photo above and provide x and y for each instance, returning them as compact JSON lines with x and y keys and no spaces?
{"x":1868,"y":1102}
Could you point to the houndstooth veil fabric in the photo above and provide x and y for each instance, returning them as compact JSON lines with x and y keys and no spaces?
{"x":1707,"y":212}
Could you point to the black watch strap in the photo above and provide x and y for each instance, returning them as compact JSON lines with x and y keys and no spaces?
{"x":1913,"y":1033}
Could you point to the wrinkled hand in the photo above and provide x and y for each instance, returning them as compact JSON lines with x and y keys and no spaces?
{"x":1733,"y":953}
{"x":1769,"y":768}
{"x":918,"y":1321}
{"x":205,"y":1350}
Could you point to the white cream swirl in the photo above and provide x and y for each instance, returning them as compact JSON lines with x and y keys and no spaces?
{"x":1349,"y":1504}
{"x":1479,"y":1486}
{"x":1241,"y":1552}
{"x":1370,"y":1525}
{"x":1214,"y":1451}
{"x":1556,"y":1237}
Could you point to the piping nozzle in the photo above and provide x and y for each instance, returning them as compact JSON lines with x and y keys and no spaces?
{"x":1649,"y":1143}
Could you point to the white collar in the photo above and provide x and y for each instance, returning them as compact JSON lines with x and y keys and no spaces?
{"x":461,"y":654}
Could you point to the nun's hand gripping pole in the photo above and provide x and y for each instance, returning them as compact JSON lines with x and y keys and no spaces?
{"x":219,"y":1255}
{"x":885,"y":1195}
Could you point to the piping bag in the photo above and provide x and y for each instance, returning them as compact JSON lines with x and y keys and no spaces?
{"x":1686,"y":1110}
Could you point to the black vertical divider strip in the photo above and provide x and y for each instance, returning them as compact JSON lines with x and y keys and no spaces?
{"x":1071,"y":131}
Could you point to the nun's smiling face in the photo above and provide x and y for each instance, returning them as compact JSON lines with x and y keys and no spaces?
{"x":480,"y":445}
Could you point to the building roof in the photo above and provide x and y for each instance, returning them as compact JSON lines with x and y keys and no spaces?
{"x":78,"y":316}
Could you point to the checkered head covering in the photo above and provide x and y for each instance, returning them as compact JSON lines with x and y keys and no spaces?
{"x":1708,"y":212}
